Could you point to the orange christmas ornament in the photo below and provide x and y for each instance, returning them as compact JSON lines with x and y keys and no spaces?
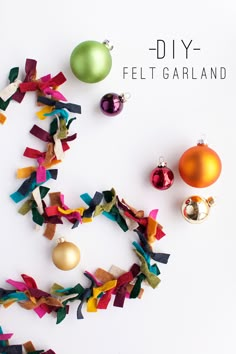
{"x":200,"y":166}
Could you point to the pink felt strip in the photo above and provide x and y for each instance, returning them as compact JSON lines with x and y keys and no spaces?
{"x":40,"y":311}
{"x":153,"y":214}
{"x":55,"y":94}
{"x":45,"y":78}
{"x":17,"y":284}
{"x":52,"y":210}
{"x":74,"y":215}
{"x":6,"y":336}
{"x":41,"y":171}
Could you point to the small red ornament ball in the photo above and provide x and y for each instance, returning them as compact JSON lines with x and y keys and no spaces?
{"x":162,"y":177}
{"x":200,"y":166}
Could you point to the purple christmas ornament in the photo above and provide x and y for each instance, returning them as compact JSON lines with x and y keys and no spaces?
{"x":111,"y":104}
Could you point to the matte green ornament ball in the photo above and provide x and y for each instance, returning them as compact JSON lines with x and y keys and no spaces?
{"x":91,"y":61}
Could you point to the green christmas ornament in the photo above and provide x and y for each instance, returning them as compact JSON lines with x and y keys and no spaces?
{"x":91,"y":61}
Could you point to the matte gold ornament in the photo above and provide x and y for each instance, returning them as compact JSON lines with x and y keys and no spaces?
{"x":195,"y":209}
{"x":66,"y":255}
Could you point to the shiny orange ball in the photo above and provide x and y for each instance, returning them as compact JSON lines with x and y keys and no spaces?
{"x":200,"y":166}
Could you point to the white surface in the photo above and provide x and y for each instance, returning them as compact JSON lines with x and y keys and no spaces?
{"x":193,"y":310}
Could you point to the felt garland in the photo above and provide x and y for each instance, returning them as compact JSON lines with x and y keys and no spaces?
{"x":28,"y":347}
{"x":104,"y":285}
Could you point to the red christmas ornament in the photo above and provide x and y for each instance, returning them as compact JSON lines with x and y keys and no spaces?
{"x":162,"y":177}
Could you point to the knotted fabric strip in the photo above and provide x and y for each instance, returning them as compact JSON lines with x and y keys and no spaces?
{"x":13,"y":75}
{"x":71,"y":107}
{"x":30,"y":75}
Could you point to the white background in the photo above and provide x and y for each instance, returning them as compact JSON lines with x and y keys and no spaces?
{"x":193,"y":310}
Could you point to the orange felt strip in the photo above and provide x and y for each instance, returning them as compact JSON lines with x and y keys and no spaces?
{"x":29,"y":347}
{"x":151,"y":230}
{"x":51,"y":228}
{"x":3,"y":118}
{"x":103,"y":276}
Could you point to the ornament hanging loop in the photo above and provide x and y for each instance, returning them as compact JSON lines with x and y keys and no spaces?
{"x":162,"y":162}
{"x":107,"y":43}
{"x":211,"y":201}
{"x":125,"y":96}
{"x":202,"y":140}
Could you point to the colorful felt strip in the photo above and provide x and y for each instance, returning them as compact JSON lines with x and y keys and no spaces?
{"x":71,"y":107}
{"x":30,"y":75}
{"x":13,"y":75}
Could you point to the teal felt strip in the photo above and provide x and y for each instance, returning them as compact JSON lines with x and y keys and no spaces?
{"x":3,"y":343}
{"x":152,"y":268}
{"x":19,"y":296}
{"x":141,"y":250}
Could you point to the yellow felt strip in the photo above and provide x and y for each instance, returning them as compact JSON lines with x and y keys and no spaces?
{"x":44,"y":110}
{"x":105,"y":287}
{"x":92,"y":302}
{"x":87,"y":220}
{"x":25,"y":172}
{"x":70,"y":211}
{"x":34,"y":301}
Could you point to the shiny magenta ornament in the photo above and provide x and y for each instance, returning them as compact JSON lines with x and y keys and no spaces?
{"x":112,"y":104}
{"x":162,"y":177}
